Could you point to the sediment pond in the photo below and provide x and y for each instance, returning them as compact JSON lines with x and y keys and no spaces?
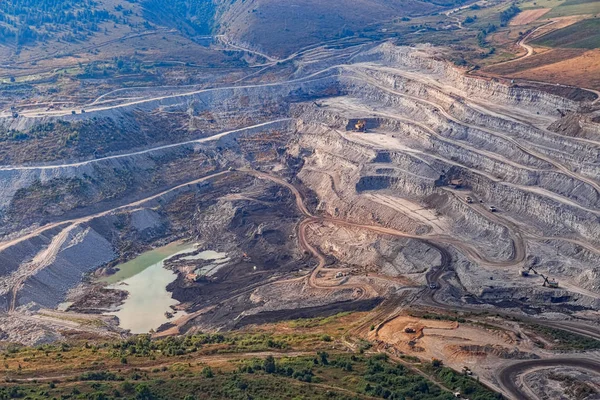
{"x":146,"y":280}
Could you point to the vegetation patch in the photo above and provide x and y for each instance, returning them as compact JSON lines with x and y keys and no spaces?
{"x":564,"y":340}
{"x":321,"y":376}
{"x":27,"y":21}
{"x":467,"y":386}
{"x":581,"y":35}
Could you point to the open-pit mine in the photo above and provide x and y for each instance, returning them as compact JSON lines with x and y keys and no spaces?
{"x":459,"y":215}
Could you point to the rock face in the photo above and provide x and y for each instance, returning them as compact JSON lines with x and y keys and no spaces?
{"x":453,"y":170}
{"x":426,"y":121}
{"x":83,"y":251}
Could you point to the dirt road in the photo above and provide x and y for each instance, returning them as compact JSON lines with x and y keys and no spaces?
{"x":529,"y":50}
{"x":141,"y":152}
{"x":507,"y":376}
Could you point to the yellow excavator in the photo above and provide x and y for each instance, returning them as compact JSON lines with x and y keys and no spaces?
{"x":360,"y":126}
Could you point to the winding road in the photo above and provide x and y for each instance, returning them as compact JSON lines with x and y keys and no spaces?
{"x":507,"y":376}
{"x":438,"y":241}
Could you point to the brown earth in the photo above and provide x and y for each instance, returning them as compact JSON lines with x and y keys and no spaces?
{"x":582,"y":70}
{"x":528,"y":16}
{"x":576,"y":67}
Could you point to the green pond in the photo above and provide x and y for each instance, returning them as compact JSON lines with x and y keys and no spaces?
{"x":146,"y":280}
{"x":145,"y":260}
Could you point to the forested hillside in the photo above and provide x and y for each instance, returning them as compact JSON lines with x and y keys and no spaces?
{"x":27,"y":21}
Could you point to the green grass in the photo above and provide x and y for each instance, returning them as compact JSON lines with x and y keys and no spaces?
{"x":576,"y":2}
{"x":314,"y":322}
{"x":532,"y":4}
{"x":581,"y":35}
{"x":575,"y":7}
{"x":564,"y":340}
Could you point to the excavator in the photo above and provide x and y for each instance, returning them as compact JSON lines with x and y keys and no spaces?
{"x":525,"y":272}
{"x":551,"y":283}
{"x":360,"y":126}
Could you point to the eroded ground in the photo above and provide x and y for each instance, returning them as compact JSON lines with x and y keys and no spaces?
{"x":456,"y":185}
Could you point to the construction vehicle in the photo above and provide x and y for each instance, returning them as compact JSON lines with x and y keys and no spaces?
{"x":360,"y":126}
{"x":551,"y":283}
{"x":457,"y":183}
{"x":525,"y":272}
{"x":409,"y":329}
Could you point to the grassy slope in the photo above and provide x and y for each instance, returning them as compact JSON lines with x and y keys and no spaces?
{"x":575,"y":7}
{"x":312,"y":21}
{"x":584,"y":34}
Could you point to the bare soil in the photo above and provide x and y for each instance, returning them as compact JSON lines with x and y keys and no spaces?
{"x":528,"y":16}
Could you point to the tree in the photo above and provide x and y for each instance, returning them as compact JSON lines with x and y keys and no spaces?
{"x":143,"y":392}
{"x":269,"y":365}
{"x":323,"y":357}
{"x":207,"y":372}
{"x":127,"y":387}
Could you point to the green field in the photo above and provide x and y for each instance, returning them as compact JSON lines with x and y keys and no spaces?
{"x":532,"y":4}
{"x":574,"y":7}
{"x":582,"y":35}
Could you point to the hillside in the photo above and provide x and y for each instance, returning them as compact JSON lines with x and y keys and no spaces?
{"x":249,"y":199}
{"x":306,"y":22}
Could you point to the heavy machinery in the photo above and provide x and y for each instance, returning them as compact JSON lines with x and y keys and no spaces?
{"x":360,"y":126}
{"x":525,"y":272}
{"x":551,"y":283}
